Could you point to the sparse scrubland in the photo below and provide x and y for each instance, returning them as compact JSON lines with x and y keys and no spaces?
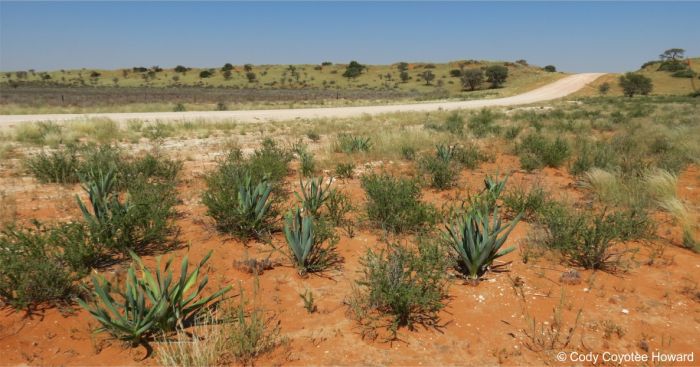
{"x":489,"y":236}
{"x":230,"y":87}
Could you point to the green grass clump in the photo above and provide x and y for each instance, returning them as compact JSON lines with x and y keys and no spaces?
{"x":345,"y":170}
{"x":537,"y":151}
{"x":469,"y":156}
{"x":589,"y":239}
{"x":394,"y":203}
{"x":440,"y":167}
{"x":599,"y":154}
{"x":43,"y":264}
{"x":60,"y":166}
{"x":405,"y":285}
{"x":154,"y":302}
{"x":236,"y":332}
{"x":529,"y":202}
{"x":482,"y":123}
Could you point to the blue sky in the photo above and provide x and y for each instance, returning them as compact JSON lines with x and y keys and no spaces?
{"x":574,"y":36}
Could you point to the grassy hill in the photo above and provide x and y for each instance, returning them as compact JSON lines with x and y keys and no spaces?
{"x":156,"y":89}
{"x":664,"y":82}
{"x":521,"y":77}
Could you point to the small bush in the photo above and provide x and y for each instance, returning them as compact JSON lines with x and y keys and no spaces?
{"x":407,"y":286}
{"x":531,"y":203}
{"x":454,"y":124}
{"x":394,"y":203}
{"x":469,"y":156}
{"x":40,"y":264}
{"x":536,"y":151}
{"x":440,"y":167}
{"x":338,"y":205}
{"x":345,"y":170}
{"x":482,"y":123}
{"x":593,"y":155}
{"x":588,"y":239}
{"x":60,"y":166}
{"x":408,"y":152}
{"x":307,"y":164}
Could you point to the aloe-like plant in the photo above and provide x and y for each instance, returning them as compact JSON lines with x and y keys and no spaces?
{"x":253,"y":205}
{"x":477,"y":238}
{"x":107,"y":211}
{"x":445,"y":152}
{"x":150,"y":303}
{"x":314,"y":194}
{"x":306,"y":245}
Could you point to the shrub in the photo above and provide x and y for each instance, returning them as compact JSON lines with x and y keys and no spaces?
{"x":455,"y":73}
{"x":472,"y":78}
{"x":407,"y":286}
{"x":60,"y":166}
{"x":531,"y":203}
{"x":604,"y":88}
{"x":39,"y":264}
{"x":587,"y":239}
{"x":454,"y":124}
{"x":307,"y":164}
{"x":205,"y":74}
{"x":632,"y":84}
{"x":408,"y":152}
{"x":550,"y":68}
{"x":672,"y":66}
{"x":127,"y":315}
{"x":345,"y":170}
{"x":269,"y":161}
{"x":179,"y":107}
{"x":599,"y":154}
{"x":338,"y":205}
{"x":476,"y":238}
{"x":481,"y":124}
{"x":684,"y":74}
{"x":536,"y":151}
{"x":305,"y":242}
{"x":442,"y":171}
{"x":469,"y":156}
{"x":239,"y":206}
{"x":394,"y":203}
{"x":496,"y":75}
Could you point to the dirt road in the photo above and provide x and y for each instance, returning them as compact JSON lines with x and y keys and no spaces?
{"x":558,"y":89}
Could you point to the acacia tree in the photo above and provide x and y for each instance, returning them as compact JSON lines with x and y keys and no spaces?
{"x":354,"y":69}
{"x":472,"y":78}
{"x":672,"y":54}
{"x":428,"y":76}
{"x":633,"y":83}
{"x":404,"y":76}
{"x":402,"y":66}
{"x":496,"y":75}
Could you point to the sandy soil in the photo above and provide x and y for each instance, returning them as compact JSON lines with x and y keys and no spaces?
{"x":558,"y":89}
{"x":655,"y":304}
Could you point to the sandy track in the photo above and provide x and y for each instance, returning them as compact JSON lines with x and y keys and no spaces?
{"x":558,"y":89}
